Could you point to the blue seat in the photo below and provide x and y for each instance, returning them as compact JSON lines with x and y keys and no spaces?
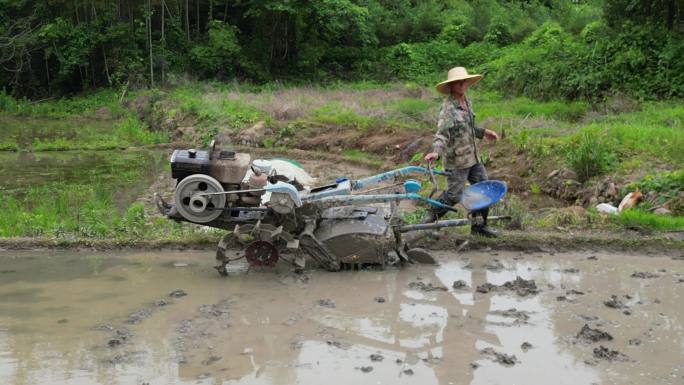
{"x":483,"y":194}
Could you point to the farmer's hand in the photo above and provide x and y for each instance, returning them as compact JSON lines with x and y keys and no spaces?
{"x":489,"y":134}
{"x":431,"y":157}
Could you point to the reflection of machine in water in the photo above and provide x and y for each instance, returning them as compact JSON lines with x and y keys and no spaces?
{"x":269,"y":211}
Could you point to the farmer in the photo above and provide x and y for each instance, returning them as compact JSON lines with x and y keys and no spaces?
{"x":455,"y":142}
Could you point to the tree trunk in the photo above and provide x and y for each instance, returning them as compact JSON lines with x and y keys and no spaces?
{"x":149,"y":35}
{"x":163,"y":42}
{"x":187,"y":19}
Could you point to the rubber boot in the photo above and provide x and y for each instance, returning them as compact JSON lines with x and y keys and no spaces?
{"x":481,"y":228}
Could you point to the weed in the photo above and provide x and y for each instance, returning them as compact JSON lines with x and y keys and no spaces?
{"x":535,"y":188}
{"x":590,"y":153}
{"x":516,"y":209}
{"x":413,"y":217}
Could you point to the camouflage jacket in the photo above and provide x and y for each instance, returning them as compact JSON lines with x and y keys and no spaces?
{"x":456,"y":133}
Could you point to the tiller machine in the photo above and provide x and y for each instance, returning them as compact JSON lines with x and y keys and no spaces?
{"x":270,"y":211}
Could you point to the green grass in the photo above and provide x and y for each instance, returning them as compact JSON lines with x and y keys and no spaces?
{"x":80,"y":105}
{"x":216,"y":107}
{"x":635,"y":218}
{"x":414,"y":108}
{"x":334,"y":114}
{"x":493,"y":105}
{"x":61,"y":210}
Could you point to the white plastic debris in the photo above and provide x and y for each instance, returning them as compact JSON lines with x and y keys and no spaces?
{"x":606,"y":208}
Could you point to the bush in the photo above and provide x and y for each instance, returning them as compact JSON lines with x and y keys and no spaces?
{"x":590,"y":153}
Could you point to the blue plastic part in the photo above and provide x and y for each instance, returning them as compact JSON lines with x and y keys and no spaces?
{"x":340,"y":180}
{"x":340,"y":188}
{"x":390,"y":175}
{"x":412,"y":186}
{"x":285,"y":188}
{"x":483,"y":194}
{"x":351,"y":199}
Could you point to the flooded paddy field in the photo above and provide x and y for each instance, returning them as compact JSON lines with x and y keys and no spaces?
{"x":125,"y":173}
{"x":476,"y":318}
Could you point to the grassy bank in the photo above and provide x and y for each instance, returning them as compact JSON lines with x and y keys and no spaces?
{"x":98,"y":121}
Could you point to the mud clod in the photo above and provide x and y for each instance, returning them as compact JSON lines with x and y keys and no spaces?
{"x":408,"y":372}
{"x":139,"y":316}
{"x":177,"y":293}
{"x":379,"y":299}
{"x":120,"y":337}
{"x":422,"y":286}
{"x":326,"y":302}
{"x":634,"y":342}
{"x":644,"y":275}
{"x":103,"y":328}
{"x":459,"y":285}
{"x":588,"y":334}
{"x":376,"y":357}
{"x":218,"y":310}
{"x":494,"y":265}
{"x":615,"y":303}
{"x":519,"y":315}
{"x":501,"y":358}
{"x":366,"y":369}
{"x":603,"y":353}
{"x":486,"y":288}
{"x":520,"y":286}
{"x":211,"y":360}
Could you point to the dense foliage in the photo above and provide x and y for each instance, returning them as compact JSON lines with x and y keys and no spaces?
{"x":538,"y":48}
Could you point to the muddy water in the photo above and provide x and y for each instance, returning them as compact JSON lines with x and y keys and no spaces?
{"x":81,"y":318}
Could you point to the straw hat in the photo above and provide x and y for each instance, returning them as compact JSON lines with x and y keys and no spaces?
{"x":456,"y":74}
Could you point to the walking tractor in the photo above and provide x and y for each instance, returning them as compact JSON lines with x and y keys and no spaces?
{"x":270,"y":210}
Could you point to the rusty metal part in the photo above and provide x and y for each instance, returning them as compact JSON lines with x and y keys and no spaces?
{"x":317,"y":249}
{"x":448,"y":223}
{"x":262,"y":253}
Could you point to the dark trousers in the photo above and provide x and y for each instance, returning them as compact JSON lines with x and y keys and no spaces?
{"x":456,"y":184}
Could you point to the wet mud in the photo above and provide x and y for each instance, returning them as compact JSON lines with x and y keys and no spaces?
{"x":168,"y":318}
